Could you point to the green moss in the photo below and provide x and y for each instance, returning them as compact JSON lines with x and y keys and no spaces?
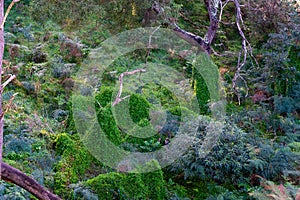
{"x":104,"y":97}
{"x":202,"y":94}
{"x":138,"y":108}
{"x":75,"y":161}
{"x":114,"y":185}
{"x":108,"y":124}
{"x":117,"y":186}
{"x":63,"y":142}
{"x":153,"y":180}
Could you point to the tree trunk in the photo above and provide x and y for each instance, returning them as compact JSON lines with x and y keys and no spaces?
{"x":204,"y":43}
{"x":13,"y":175}
{"x":1,"y":59}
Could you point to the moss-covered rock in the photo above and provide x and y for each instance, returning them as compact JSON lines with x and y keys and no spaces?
{"x":103,"y":97}
{"x":153,"y":180}
{"x":108,"y":124}
{"x":138,"y":108}
{"x":75,"y":161}
{"x":114,"y":185}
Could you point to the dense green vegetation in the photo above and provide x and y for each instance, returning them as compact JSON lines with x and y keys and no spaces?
{"x":257,"y":153}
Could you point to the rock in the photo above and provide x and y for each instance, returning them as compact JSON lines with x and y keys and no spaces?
{"x":9,"y":37}
{"x":28,"y":86}
{"x":19,"y":51}
{"x":70,"y":49}
{"x":38,"y":55}
{"x":68,"y":84}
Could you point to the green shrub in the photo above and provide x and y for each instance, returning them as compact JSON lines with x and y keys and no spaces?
{"x":227,"y":158}
{"x":75,"y":160}
{"x":117,"y":186}
{"x":63,"y":142}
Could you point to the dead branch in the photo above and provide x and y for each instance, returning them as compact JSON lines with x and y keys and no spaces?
{"x":7,"y":12}
{"x":192,"y":38}
{"x":204,"y":44}
{"x":11,"y":78}
{"x":149,"y":44}
{"x":15,"y":176}
{"x":9,"y":105}
{"x":118,"y":97}
{"x":222,"y":8}
{"x":246,"y":48}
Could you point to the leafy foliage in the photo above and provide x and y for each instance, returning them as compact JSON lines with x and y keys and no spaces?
{"x":226,"y":163}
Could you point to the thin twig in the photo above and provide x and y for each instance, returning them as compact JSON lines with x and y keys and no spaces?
{"x":7,"y":12}
{"x":11,"y":78}
{"x":149,"y":44}
{"x":246,"y":48}
{"x":222,"y":8}
{"x":118,"y":97}
{"x":9,"y":105}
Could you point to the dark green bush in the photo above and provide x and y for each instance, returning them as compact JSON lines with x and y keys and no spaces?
{"x":227,"y":160}
{"x":153,"y":181}
{"x":62,"y":143}
{"x":117,"y":186}
{"x":75,"y":161}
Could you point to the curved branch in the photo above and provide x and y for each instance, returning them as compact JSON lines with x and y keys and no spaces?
{"x":212,"y":7}
{"x":118,"y":97}
{"x":192,"y":38}
{"x":13,"y":175}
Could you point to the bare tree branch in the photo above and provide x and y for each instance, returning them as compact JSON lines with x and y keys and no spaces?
{"x":15,"y":176}
{"x":149,"y":44}
{"x":9,"y":105}
{"x":11,"y":78}
{"x":118,"y":97}
{"x":7,"y":12}
{"x":192,"y":38}
{"x":222,"y":8}
{"x":212,"y":7}
{"x":246,"y":48}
